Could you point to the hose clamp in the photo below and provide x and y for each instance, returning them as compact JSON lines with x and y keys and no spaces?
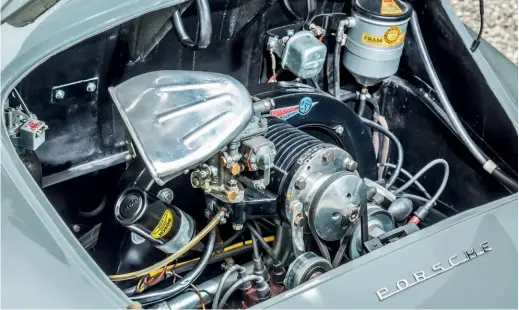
{"x":490,"y":166}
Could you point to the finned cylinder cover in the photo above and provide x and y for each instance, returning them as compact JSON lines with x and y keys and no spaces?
{"x":374,"y":44}
{"x":166,"y":226}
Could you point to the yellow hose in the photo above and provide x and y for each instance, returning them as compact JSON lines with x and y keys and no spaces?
{"x":227,"y":249}
{"x":139,"y":273}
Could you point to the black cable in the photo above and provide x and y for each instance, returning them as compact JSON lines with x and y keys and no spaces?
{"x":229,"y":241}
{"x":214,"y":259}
{"x":235,"y":286}
{"x":289,"y":10}
{"x":487,"y":164}
{"x":477,"y":41}
{"x":337,"y":70}
{"x":204,"y":20}
{"x":311,"y":7}
{"x":263,"y":244}
{"x":264,"y":220}
{"x":327,"y":14}
{"x":255,"y":247}
{"x":400,"y":149}
{"x":185,"y":282}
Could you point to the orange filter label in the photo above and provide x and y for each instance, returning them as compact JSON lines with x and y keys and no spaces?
{"x":389,"y":7}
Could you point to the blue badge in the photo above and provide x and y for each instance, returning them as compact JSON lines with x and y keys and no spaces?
{"x":305,"y":105}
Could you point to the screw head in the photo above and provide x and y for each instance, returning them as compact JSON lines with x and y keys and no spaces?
{"x":328,"y":156}
{"x":350,"y":164}
{"x":76,"y":228}
{"x":300,"y":183}
{"x":166,"y":195}
{"x":339,"y":129}
{"x":91,"y":87}
{"x":60,"y":94}
{"x":237,"y":226}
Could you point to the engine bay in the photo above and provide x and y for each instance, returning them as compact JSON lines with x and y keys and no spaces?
{"x":219,"y":154}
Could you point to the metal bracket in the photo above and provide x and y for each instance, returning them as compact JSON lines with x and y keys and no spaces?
{"x":86,"y":89}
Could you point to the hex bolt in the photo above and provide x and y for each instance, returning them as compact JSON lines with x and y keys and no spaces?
{"x":60,"y":94}
{"x":166,"y":195}
{"x":237,"y":226}
{"x":352,"y":213}
{"x":299,"y":220}
{"x":350,"y":165}
{"x":300,"y":183}
{"x":91,"y":87}
{"x":339,"y":129}
{"x":328,"y":156}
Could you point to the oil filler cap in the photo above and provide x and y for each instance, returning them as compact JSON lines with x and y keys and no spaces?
{"x":130,"y":206}
{"x":383,"y":10}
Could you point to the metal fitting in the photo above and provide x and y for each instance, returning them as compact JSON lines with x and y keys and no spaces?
{"x":328,"y":156}
{"x":300,"y":183}
{"x":272,"y":42}
{"x":223,"y":220}
{"x":237,"y":226}
{"x":350,"y":165}
{"x":166,"y":195}
{"x":339,"y":129}
{"x":60,"y":94}
{"x":235,"y":169}
{"x":91,"y":87}
{"x":299,"y":220}
{"x":352,"y":213}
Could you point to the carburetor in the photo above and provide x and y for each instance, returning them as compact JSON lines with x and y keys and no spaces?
{"x":247,"y":160}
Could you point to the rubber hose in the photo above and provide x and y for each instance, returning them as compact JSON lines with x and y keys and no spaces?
{"x":410,"y":176}
{"x":204,"y":20}
{"x":362,"y":107}
{"x":226,"y":275}
{"x":400,"y":149}
{"x":424,"y":210}
{"x":236,"y":285}
{"x":336,"y":70}
{"x":348,"y":97}
{"x":185,"y":282}
{"x":449,"y":110}
{"x":173,"y":257}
